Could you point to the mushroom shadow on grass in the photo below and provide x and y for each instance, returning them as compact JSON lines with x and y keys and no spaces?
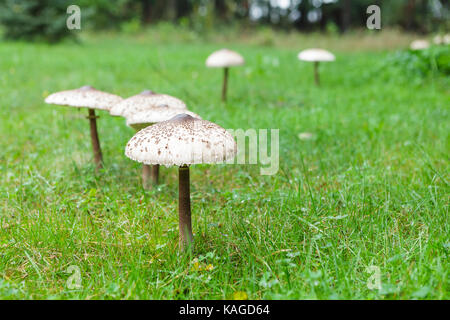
{"x":224,"y":58}
{"x":87,"y":97}
{"x":182,"y":141}
{"x":316,"y":56}
{"x":143,"y":119}
{"x":145,"y":100}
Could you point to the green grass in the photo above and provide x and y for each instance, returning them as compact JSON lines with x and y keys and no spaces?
{"x":370,"y":189}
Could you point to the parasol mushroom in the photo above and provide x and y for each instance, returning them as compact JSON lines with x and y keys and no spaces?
{"x":224,"y":58}
{"x":182,"y":141}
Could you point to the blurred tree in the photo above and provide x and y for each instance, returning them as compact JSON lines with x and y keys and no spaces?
{"x":30,"y":19}
{"x":346,"y":14}
{"x":35,"y":19}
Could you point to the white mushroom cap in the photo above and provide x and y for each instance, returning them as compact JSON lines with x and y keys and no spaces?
{"x":316,"y":55}
{"x":143,"y":101}
{"x":444,"y":39}
{"x":182,"y":140}
{"x":154,"y":115}
{"x":419,"y":44}
{"x":84,"y":97}
{"x":224,"y":58}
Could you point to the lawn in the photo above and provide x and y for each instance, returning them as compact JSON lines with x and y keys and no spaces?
{"x":366,"y":194}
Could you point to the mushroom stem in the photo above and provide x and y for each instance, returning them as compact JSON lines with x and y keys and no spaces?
{"x":98,"y":159}
{"x":316,"y":73}
{"x":225,"y":84}
{"x":184,"y":207}
{"x":147,"y":172}
{"x":155,"y":173}
{"x":145,"y":176}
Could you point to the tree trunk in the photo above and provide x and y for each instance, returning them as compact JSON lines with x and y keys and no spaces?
{"x":346,"y":15}
{"x":146,"y":17}
{"x":171,"y":10}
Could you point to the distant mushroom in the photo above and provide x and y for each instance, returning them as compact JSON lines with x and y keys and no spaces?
{"x":442,"y":39}
{"x":182,"y":141}
{"x":143,"y":101}
{"x":224,"y":58}
{"x":91,"y":98}
{"x":419,"y":44}
{"x":316,"y":56}
{"x":149,"y":117}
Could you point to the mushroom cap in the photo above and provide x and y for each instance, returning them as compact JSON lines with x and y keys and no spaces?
{"x":182,"y":140}
{"x":224,"y":58}
{"x":84,"y":97}
{"x":316,"y":55}
{"x":143,"y":101}
{"x":156,"y":114}
{"x":419,"y":44}
{"x":446,"y":39}
{"x":441,"y":39}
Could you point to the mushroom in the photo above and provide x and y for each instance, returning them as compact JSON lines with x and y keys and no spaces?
{"x":182,"y":141}
{"x":224,"y":58}
{"x":146,"y":118}
{"x":146,"y":100}
{"x":419,"y":44}
{"x":316,"y":56}
{"x":91,"y":98}
{"x":438,"y":39}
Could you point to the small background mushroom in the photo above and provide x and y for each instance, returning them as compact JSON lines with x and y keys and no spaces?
{"x":91,"y":98}
{"x":419,"y":44}
{"x":316,"y":56}
{"x":182,"y":141}
{"x":224,"y":58}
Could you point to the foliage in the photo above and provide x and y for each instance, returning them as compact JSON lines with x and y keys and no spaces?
{"x":106,"y":14}
{"x":44,"y":19}
{"x":34,"y":19}
{"x":421,"y":63}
